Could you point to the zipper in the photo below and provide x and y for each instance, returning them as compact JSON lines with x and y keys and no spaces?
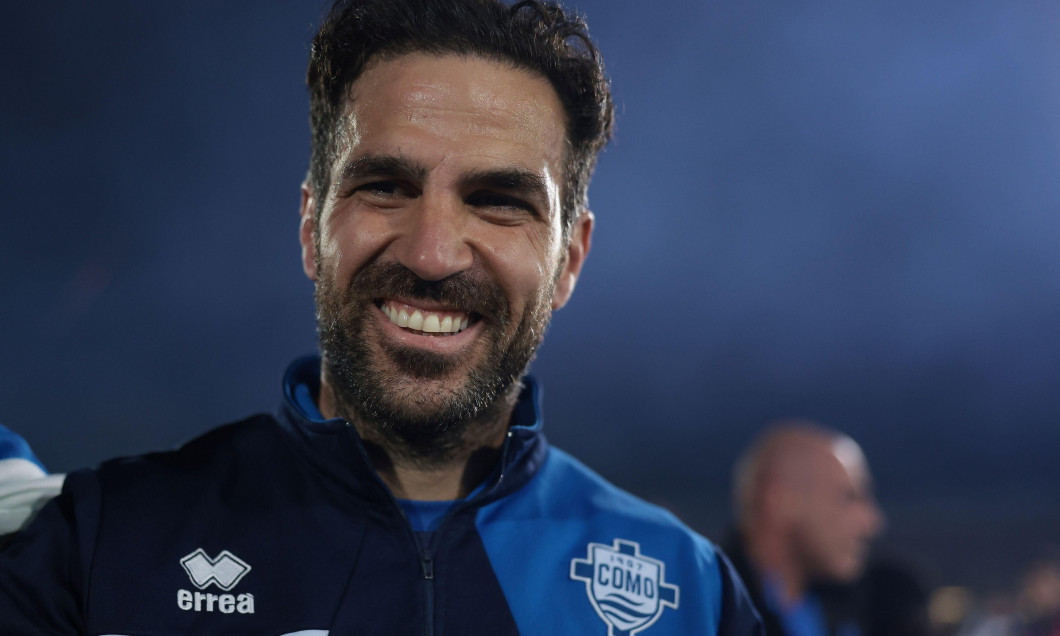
{"x":426,"y":558}
{"x":428,"y":578}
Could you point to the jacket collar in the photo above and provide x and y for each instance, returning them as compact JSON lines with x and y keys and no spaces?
{"x":333,"y":446}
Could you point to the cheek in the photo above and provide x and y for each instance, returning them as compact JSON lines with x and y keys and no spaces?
{"x":834,"y":549}
{"x":348,"y":241}
{"x":522,"y":262}
{"x":830,"y":532}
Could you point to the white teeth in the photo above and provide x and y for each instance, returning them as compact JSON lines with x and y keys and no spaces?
{"x":416,"y":320}
{"x":426,"y":321}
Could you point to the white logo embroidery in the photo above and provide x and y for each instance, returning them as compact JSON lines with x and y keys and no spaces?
{"x":224,"y":571}
{"x":626,"y":589}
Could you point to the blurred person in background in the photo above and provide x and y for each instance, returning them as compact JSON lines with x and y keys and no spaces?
{"x":995,"y":616}
{"x":1039,"y":600}
{"x":24,"y":484}
{"x":805,"y":519}
{"x":1036,"y":610}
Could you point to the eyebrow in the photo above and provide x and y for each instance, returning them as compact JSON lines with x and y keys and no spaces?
{"x":382,"y":166}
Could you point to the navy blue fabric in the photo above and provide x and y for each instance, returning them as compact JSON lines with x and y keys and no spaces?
{"x":284,"y":518}
{"x":42,"y":573}
{"x":742,"y":616}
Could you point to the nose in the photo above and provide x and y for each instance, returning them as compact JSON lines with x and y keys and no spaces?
{"x":433,"y":241}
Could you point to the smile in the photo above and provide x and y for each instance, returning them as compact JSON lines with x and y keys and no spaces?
{"x":441,"y":323}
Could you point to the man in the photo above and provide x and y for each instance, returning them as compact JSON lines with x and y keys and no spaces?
{"x":1039,"y":597}
{"x":405,"y":486}
{"x":805,"y":517}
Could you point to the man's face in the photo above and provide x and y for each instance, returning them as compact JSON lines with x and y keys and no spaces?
{"x":838,"y":517}
{"x":438,"y":253}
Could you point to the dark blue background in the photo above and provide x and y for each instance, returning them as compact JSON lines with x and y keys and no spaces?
{"x":844,"y":211}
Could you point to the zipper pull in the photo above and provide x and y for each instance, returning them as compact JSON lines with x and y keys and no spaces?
{"x":428,"y":565}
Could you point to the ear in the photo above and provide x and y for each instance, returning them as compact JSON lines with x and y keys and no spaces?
{"x":306,"y":234}
{"x":581,"y":238}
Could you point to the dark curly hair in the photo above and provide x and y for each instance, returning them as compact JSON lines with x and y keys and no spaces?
{"x":539,"y":37}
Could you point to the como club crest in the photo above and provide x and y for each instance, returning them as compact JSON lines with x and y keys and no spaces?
{"x":626,"y":588}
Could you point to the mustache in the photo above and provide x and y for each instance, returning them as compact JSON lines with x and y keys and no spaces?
{"x":469,"y":290}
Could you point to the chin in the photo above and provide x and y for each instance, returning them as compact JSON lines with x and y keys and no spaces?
{"x":848,"y":572}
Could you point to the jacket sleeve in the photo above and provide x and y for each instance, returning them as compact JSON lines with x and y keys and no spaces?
{"x":44,"y":569}
{"x":738,"y":614}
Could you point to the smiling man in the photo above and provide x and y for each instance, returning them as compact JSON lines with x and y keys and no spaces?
{"x":405,"y":486}
{"x":439,"y":252}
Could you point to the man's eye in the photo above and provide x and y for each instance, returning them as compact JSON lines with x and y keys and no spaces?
{"x":497,"y":200}
{"x":384,"y":189}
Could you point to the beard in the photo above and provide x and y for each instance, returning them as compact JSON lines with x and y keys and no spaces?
{"x":421,"y":404}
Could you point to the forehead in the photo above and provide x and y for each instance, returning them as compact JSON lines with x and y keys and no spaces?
{"x":453,"y":103}
{"x":842,"y":466}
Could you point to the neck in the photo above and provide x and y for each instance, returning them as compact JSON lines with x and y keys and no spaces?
{"x":443,"y":477}
{"x":769,"y":553}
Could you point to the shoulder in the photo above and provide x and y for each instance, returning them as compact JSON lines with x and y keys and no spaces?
{"x":226,"y":447}
{"x":606,"y":510}
{"x":587,"y":534}
{"x":573,"y":489}
{"x":181,"y":478}
{"x":577,"y":509}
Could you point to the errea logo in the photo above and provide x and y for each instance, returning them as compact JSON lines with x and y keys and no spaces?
{"x":224,"y":571}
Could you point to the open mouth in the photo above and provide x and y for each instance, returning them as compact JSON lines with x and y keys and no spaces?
{"x":426,"y":321}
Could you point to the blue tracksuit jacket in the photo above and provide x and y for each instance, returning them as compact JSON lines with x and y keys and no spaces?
{"x":278,"y":525}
